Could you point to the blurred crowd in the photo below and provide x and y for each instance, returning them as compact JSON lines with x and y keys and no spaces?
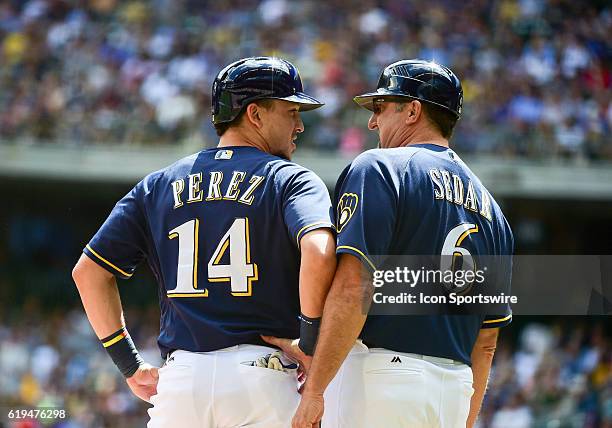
{"x":555,"y":375}
{"x":56,"y":362}
{"x":536,"y":73}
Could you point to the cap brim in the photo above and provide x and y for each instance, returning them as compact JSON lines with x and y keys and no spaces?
{"x":366,"y":100}
{"x":306,"y":102}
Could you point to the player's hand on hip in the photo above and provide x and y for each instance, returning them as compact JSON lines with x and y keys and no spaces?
{"x":309,"y":412}
{"x":143,"y":382}
{"x":292,"y":350}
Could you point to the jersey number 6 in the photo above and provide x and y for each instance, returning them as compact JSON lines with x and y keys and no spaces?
{"x":452,"y":250}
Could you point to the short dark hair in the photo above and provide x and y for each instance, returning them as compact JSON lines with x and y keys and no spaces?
{"x":222,"y":127}
{"x":442,"y":119}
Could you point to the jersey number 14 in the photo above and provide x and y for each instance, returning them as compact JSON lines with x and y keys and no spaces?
{"x":240,"y":272}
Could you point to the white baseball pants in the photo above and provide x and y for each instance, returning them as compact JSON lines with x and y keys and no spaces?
{"x":216,"y":390}
{"x":379,"y":388}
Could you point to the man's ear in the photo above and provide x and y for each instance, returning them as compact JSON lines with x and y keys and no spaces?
{"x":253,"y":115}
{"x":413,"y":111}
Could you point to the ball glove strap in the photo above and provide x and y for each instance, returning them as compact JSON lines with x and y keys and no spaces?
{"x":121,"y":349}
{"x":309,"y":333}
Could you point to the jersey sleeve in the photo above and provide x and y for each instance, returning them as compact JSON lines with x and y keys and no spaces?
{"x":496,"y":321}
{"x":366,"y":200}
{"x":120,"y":244}
{"x":306,"y":205}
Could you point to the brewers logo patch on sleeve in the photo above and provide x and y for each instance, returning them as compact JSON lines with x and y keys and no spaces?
{"x":347,"y":204}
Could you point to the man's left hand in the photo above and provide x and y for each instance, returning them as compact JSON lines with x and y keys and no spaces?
{"x":309,"y":412}
{"x":292,"y":350}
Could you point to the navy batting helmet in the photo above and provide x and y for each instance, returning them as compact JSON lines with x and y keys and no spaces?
{"x":257,"y":78}
{"x":418,"y":79}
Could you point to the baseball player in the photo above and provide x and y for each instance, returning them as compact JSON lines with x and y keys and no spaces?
{"x":227,"y":232}
{"x":412,"y":196}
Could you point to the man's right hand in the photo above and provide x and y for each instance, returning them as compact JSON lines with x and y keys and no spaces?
{"x":143,"y":382}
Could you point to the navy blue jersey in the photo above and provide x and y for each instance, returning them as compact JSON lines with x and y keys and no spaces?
{"x":220,"y":230}
{"x":411,"y":201}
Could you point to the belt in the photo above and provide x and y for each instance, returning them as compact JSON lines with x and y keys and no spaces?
{"x":434,"y":360}
{"x":428,"y":358}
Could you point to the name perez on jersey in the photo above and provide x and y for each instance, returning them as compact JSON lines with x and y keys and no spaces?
{"x":451,"y":188}
{"x":235,"y":190}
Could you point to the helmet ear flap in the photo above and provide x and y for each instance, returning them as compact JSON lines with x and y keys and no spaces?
{"x":218,"y":86}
